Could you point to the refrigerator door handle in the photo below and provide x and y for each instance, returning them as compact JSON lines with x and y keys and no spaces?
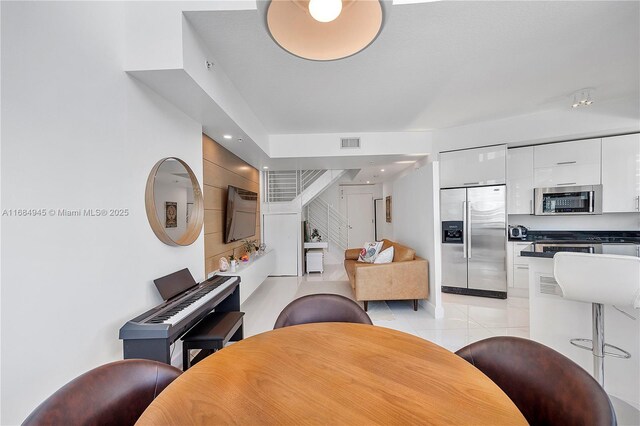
{"x":464,"y":229}
{"x":468,"y":236}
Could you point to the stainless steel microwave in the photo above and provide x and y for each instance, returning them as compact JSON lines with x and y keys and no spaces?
{"x":561,"y":200}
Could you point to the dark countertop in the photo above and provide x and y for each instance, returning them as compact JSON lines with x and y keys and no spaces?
{"x":624,"y":249}
{"x":581,"y":236}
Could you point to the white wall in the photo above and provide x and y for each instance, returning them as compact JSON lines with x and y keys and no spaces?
{"x":154,"y":30}
{"x":385,"y":229}
{"x":416,"y":222}
{"x":77,"y":133}
{"x":219,"y":87}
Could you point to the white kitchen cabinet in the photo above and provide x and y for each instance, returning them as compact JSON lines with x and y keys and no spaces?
{"x":521,"y":276}
{"x":567,"y":175}
{"x":585,"y":151}
{"x":520,"y":180}
{"x":473,"y":167}
{"x":621,"y":174}
{"x":567,"y":163}
{"x":517,"y":269}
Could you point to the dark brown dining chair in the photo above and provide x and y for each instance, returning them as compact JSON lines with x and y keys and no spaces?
{"x":321,"y":308}
{"x":112,"y":394}
{"x":547,"y":387}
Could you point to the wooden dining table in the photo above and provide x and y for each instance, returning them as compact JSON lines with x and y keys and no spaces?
{"x":332,"y":373}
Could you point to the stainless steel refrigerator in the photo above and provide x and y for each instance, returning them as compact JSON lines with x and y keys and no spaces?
{"x":474,"y":237}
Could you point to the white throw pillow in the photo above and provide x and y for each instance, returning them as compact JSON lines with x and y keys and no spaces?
{"x":385,"y":256}
{"x":369,"y":252}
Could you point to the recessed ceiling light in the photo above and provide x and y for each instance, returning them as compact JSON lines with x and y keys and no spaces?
{"x":239,"y":139}
{"x":406,"y":162}
{"x":368,"y":182}
{"x":227,"y":136}
{"x":265,"y":167}
{"x":382,"y":170}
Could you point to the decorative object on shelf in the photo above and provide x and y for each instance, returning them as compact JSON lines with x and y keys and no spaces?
{"x":262,"y":248}
{"x":388,"y":208}
{"x":170,"y":176}
{"x":233,"y":262}
{"x":223,"y":264}
{"x":315,"y":235}
{"x":250,"y":246}
{"x":307,"y":231}
{"x":244,"y":258}
{"x":323,"y":30}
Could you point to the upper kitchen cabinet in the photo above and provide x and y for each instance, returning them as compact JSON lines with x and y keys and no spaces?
{"x":473,"y":167}
{"x":520,"y":180}
{"x":567,"y":163}
{"x":621,"y":174}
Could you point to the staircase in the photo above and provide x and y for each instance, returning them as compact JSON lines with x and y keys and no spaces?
{"x":286,"y":185}
{"x":296,"y":190}
{"x":331,"y":225}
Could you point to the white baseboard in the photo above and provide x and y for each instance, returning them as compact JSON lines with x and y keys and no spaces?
{"x":436,"y":311}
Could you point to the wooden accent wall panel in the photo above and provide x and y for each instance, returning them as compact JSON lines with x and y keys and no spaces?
{"x":222,"y":168}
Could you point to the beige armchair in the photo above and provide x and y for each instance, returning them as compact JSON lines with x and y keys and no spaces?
{"x":406,"y":278}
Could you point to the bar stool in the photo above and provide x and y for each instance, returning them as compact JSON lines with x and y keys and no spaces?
{"x":599,"y":279}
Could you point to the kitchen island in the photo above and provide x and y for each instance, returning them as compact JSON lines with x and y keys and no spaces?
{"x":555,"y":320}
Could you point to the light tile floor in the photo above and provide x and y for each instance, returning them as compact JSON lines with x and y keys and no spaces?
{"x":466,"y":319}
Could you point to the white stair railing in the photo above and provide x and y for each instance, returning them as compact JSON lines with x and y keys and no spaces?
{"x":307,"y":177}
{"x":331,"y":225}
{"x":285,"y":185}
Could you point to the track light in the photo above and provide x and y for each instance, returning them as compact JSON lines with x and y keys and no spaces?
{"x":582,"y":98}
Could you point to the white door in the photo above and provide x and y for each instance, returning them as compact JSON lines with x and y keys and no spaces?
{"x":281,"y":232}
{"x":360,"y":218}
{"x":380,"y":219}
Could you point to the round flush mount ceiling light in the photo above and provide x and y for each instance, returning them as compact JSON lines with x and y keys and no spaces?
{"x":324,"y":30}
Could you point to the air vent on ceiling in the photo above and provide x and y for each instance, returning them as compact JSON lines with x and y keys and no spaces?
{"x":348,"y":143}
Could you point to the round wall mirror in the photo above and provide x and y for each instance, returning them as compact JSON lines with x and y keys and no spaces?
{"x":174,"y":203}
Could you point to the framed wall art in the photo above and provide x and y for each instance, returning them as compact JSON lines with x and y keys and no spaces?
{"x":388,"y":208}
{"x":171,"y":214}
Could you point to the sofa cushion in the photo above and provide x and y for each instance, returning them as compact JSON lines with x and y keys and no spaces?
{"x":370,"y":251}
{"x":385,"y":256}
{"x":401,"y":253}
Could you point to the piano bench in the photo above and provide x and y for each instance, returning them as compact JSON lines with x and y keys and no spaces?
{"x":211,"y":334}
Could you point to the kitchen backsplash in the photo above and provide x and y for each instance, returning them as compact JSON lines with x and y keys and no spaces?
{"x":604,"y":222}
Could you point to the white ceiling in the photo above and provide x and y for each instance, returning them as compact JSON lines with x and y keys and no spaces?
{"x":434,"y":65}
